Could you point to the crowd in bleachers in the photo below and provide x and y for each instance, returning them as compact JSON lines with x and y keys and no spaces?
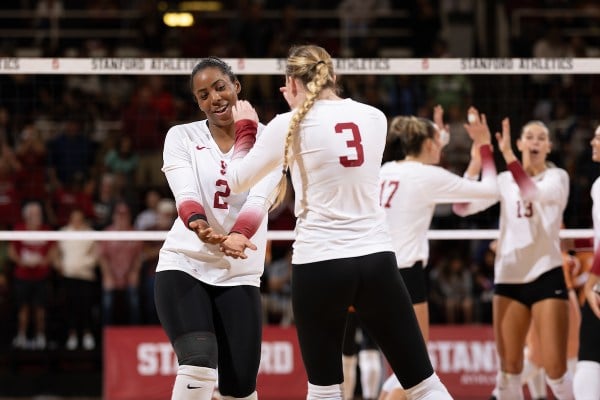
{"x":87,"y":150}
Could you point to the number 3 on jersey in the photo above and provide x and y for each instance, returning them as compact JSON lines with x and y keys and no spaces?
{"x":221,"y":193}
{"x":355,"y":143}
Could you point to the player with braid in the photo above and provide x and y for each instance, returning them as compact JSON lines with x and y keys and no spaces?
{"x":209,"y":304}
{"x":343,"y":255}
{"x":586,"y":383}
{"x":529,"y":282}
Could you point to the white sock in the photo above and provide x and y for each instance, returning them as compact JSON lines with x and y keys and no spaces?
{"x":509,"y":386}
{"x":369,"y":362}
{"x":332,"y":392}
{"x":252,"y":396}
{"x":586,"y":383}
{"x":428,"y":389}
{"x":194,"y":383}
{"x":349,"y":366}
{"x":537,"y":384}
{"x":572,"y":365}
{"x":562,"y":387}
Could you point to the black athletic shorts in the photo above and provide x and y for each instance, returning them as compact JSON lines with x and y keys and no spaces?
{"x":549,"y":285}
{"x":414,"y":279}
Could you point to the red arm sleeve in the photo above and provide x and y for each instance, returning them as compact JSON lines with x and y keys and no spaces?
{"x":245,"y":136}
{"x":191,"y":210}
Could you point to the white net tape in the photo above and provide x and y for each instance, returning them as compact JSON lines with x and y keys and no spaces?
{"x":274,"y":66}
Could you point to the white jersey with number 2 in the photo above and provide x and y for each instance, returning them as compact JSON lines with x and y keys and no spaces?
{"x":196,"y":171}
{"x":335,"y":158}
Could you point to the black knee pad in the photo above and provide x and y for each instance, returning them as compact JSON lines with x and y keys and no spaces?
{"x":197,"y":348}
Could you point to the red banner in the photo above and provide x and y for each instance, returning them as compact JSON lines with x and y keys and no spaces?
{"x":139,"y":363}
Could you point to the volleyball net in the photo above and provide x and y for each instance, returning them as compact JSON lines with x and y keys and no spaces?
{"x":43,"y":92}
{"x":41,"y":95}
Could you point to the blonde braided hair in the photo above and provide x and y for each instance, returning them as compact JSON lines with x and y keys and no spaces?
{"x":313,"y":66}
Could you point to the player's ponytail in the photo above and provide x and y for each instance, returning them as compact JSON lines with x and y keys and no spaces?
{"x":312,"y":65}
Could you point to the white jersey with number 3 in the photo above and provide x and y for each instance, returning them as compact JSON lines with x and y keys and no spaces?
{"x":196,"y":170}
{"x":335,"y":159}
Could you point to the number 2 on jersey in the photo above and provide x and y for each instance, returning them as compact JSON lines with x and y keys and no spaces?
{"x":219,"y":201}
{"x":355,"y":143}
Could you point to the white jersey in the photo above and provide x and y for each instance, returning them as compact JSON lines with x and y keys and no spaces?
{"x":195,"y":168}
{"x":335,"y":158}
{"x":409,"y":192}
{"x":530,"y":221}
{"x":595,"y":193}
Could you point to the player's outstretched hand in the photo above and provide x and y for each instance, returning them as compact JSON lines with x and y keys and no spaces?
{"x":477,"y":127}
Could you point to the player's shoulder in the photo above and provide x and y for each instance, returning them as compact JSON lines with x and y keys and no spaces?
{"x":366,"y":108}
{"x":194,"y":127}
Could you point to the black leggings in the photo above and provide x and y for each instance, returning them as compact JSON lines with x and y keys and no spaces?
{"x":321,"y":294}
{"x":589,"y":339}
{"x":232,"y":313}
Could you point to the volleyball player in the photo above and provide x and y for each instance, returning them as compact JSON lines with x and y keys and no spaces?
{"x":586,"y":383}
{"x":208,"y":304}
{"x":530,"y":286}
{"x":412,"y":184}
{"x":343,"y":255}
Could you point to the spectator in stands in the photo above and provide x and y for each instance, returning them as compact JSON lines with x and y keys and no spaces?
{"x":70,"y":154}
{"x":31,"y":277}
{"x":166,"y":213}
{"x":31,"y":152}
{"x":122,"y":162}
{"x":74,"y":194}
{"x":77,"y":263}
{"x":452,"y":290}
{"x":142,"y":121}
{"x":105,"y":198}
{"x":120,"y":265}
{"x":147,"y":218}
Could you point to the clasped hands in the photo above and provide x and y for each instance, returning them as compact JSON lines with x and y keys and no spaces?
{"x":233,"y":245}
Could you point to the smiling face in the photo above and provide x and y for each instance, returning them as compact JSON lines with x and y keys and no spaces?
{"x":595,"y":143}
{"x":215,"y":94}
{"x":535,"y":141}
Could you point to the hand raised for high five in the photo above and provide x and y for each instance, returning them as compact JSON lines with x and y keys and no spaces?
{"x":504,"y":142}
{"x":477,"y":128}
{"x":438,"y":119}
